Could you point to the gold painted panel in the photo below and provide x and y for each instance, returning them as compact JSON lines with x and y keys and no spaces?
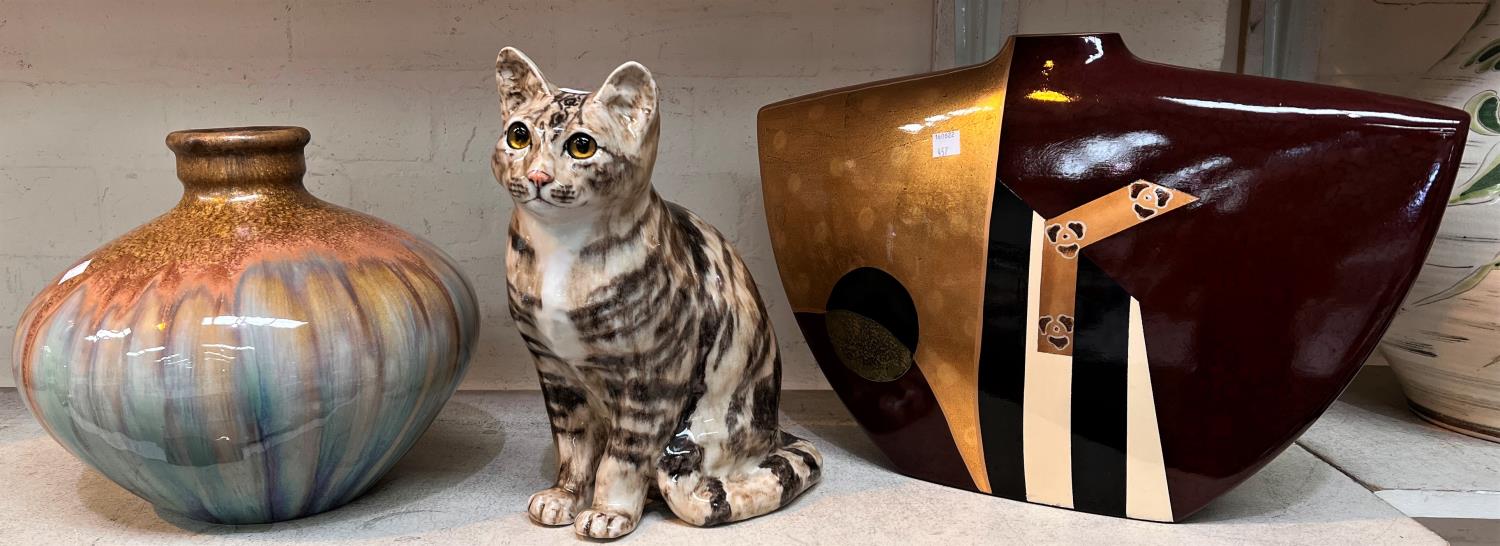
{"x":897,"y":175}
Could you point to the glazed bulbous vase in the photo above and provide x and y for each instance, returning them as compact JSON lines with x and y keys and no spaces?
{"x":1445,"y":344}
{"x":253,"y":355}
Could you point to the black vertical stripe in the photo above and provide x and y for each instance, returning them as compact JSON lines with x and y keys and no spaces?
{"x":1002,"y":353}
{"x":1101,"y":345}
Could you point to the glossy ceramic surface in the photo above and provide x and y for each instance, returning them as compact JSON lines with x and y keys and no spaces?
{"x":1076,"y":278}
{"x":654,"y":351}
{"x":255,"y":354}
{"x":1444,"y":343}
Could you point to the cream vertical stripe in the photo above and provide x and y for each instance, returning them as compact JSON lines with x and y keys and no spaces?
{"x":1145,"y":472}
{"x":1046,"y":409}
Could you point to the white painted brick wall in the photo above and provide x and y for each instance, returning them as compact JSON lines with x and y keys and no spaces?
{"x":400,"y":99}
{"x":1384,"y":45}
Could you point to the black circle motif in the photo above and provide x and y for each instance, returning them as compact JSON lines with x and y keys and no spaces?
{"x":872,"y":324}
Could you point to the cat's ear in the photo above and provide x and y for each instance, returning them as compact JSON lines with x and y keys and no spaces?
{"x":518,"y":79}
{"x":629,"y":96}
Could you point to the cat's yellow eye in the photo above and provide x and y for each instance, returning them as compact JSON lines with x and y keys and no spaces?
{"x":581,"y":146}
{"x":518,"y":136}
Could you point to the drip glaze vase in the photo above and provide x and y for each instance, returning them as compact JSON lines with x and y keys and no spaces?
{"x":1445,"y":343}
{"x":254,"y":354}
{"x":1074,"y":277}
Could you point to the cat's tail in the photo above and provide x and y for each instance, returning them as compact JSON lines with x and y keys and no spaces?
{"x":707,"y":500}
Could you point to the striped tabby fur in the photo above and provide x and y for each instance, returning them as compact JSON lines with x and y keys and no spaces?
{"x":655,"y":352}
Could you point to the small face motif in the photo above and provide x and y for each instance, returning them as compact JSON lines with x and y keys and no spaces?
{"x":564,"y":150}
{"x":1067,"y":239}
{"x":1147,"y":200}
{"x":1058,"y":332}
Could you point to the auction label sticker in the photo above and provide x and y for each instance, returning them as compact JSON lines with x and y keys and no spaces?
{"x":945,"y":144}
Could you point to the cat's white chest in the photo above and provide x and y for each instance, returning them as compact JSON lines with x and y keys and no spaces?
{"x":556,"y":301}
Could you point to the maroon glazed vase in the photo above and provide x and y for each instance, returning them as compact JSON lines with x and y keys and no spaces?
{"x":1073,"y":277}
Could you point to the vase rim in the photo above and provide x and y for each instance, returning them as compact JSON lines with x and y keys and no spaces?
{"x":251,"y":139}
{"x":1069,"y":35}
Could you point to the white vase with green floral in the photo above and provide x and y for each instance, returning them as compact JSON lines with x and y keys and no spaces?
{"x":1445,"y":343}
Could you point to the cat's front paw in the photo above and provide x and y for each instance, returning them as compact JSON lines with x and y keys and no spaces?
{"x":604,"y":524}
{"x":553,"y":506}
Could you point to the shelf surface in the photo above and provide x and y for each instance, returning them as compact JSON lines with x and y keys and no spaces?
{"x":1372,"y":436}
{"x":467,"y":481}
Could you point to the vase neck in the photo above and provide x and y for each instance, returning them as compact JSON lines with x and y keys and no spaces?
{"x":240,"y":161}
{"x":1072,"y":50}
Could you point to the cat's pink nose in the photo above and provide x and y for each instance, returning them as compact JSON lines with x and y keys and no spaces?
{"x":539,"y":177}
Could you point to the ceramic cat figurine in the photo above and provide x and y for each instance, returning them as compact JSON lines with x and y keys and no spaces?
{"x":656,"y":355}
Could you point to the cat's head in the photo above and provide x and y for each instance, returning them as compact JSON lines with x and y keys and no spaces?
{"x":567,"y":153}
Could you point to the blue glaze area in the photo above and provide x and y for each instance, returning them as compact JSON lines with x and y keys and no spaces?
{"x":287,"y":396}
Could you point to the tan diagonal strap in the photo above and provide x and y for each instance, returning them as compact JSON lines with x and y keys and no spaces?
{"x":1070,"y":232}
